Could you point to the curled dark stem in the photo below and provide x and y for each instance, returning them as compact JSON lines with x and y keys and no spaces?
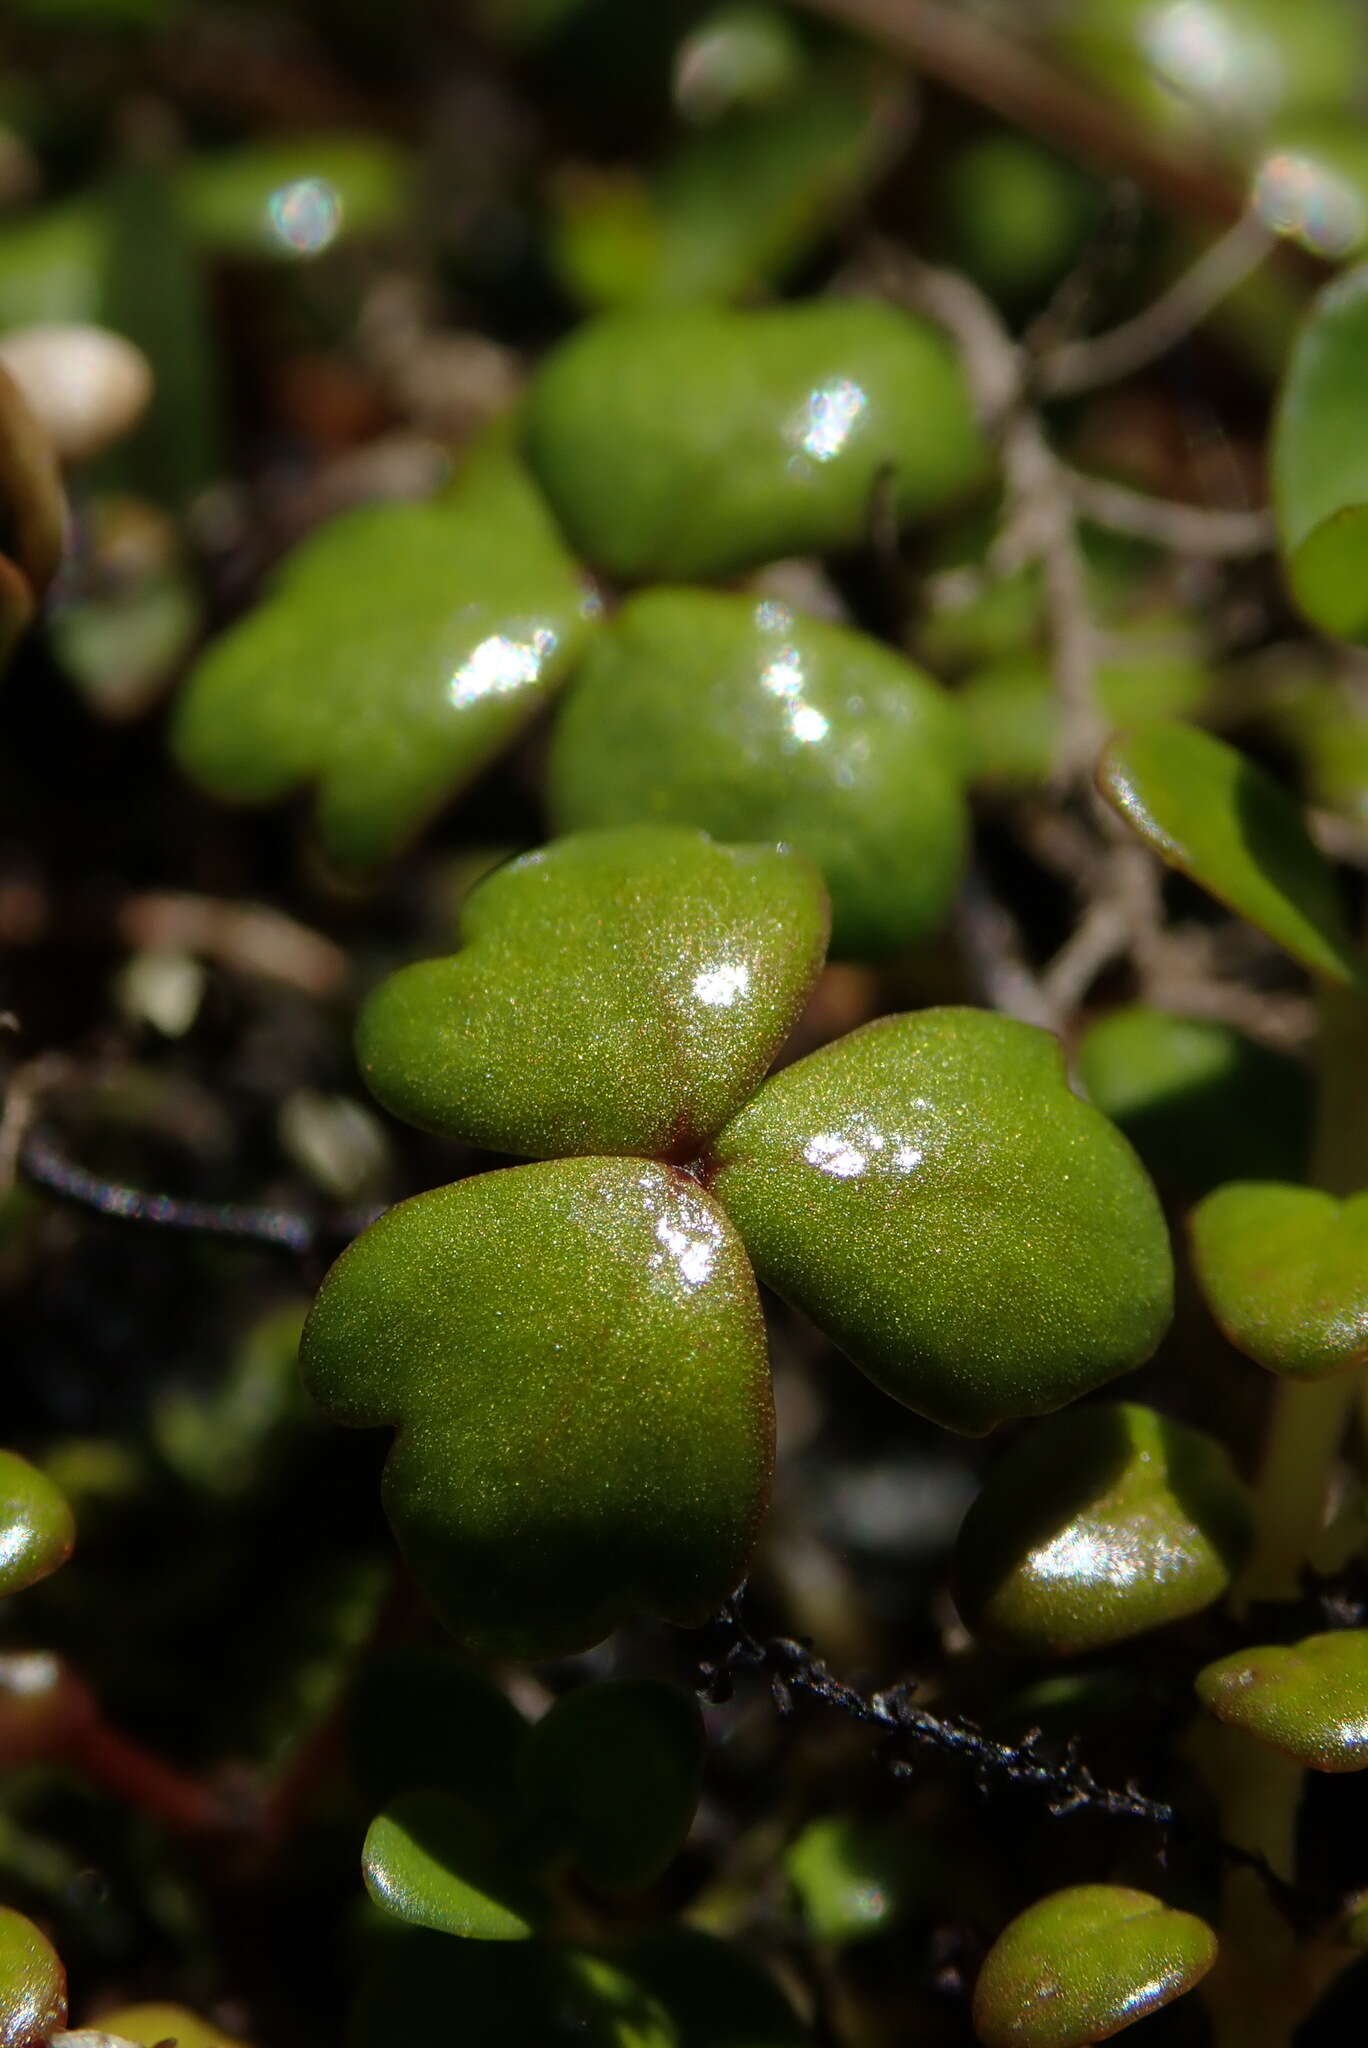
{"x":1065,"y":1783}
{"x":43,"y":1163}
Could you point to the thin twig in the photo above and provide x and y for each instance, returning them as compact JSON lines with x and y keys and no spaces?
{"x":1184,"y":529}
{"x":42,"y":1162}
{"x":1087,"y":365}
{"x":996,"y":959}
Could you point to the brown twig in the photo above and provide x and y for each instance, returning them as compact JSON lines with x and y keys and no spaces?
{"x":1207,"y":530}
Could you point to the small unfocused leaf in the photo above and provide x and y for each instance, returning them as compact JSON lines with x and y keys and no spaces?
{"x":420,"y":1716}
{"x":493,"y":1995}
{"x":150,"y":2025}
{"x":1208,"y":811}
{"x":613,"y":1771}
{"x":855,"y":1878}
{"x":434,"y":1861}
{"x":715,"y":1996}
{"x":293,"y":198}
{"x":1083,"y":1964}
{"x":1309,"y":1699}
{"x":1285,"y":1270}
{"x":1320,"y":461}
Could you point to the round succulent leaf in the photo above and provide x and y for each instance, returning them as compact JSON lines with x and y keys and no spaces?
{"x":419,"y":1715}
{"x":1319,"y":458}
{"x":613,"y":1771}
{"x":1200,"y":1102}
{"x":398,"y":650}
{"x":714,"y":1994}
{"x":855,"y":1878}
{"x":701,"y":708}
{"x":974,"y":1237}
{"x":1285,"y":1273}
{"x":493,"y":1994}
{"x":1207,"y":810}
{"x":1100,"y":1524}
{"x":574,"y":1356}
{"x":432,"y":1860}
{"x":622,"y":991}
{"x":151,"y":2025}
{"x":37,"y":1527}
{"x":1083,"y":1964}
{"x":691,"y":442}
{"x":33,"y":1990}
{"x":1309,"y":1699}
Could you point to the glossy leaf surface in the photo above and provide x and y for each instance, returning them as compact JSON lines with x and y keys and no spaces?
{"x":1208,"y":811}
{"x":432,"y":1860}
{"x":490,"y":1995}
{"x":1200,"y":1102}
{"x":613,"y":1771}
{"x":1285,"y":1271}
{"x":150,"y":2025}
{"x":1096,"y":1526}
{"x":37,"y":1528}
{"x":574,"y":1357}
{"x":33,"y":1992}
{"x":755,"y":723}
{"x":1320,"y":461}
{"x":618,"y":991}
{"x":927,"y":1189}
{"x":1309,"y":1699}
{"x":693,"y":442}
{"x":1082,"y":1964}
{"x":400,"y":647}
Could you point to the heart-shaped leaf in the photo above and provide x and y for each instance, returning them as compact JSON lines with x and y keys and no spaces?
{"x":618,"y":991}
{"x":432,"y":1860}
{"x":1082,"y":1964}
{"x":575,"y":1359}
{"x":1309,"y":1700}
{"x":1320,"y":461}
{"x":399,"y":649}
{"x":1098,"y":1525}
{"x":37,"y":1528}
{"x":418,"y":1715}
{"x":152,"y":2025}
{"x":613,"y":1772}
{"x":1200,"y":1102}
{"x":706,"y":709}
{"x":1208,"y":811}
{"x":1285,"y":1271}
{"x":427,"y":1988}
{"x":927,"y":1189}
{"x":33,"y":1991}
{"x":690,"y":442}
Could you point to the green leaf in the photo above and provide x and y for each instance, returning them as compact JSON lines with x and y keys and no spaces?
{"x":1096,"y":1526}
{"x":37,"y":1528}
{"x":1208,"y":811}
{"x":1309,"y":1700}
{"x":855,"y":1878}
{"x":1016,"y":215}
{"x":427,"y":1987}
{"x":739,"y":716}
{"x":1082,"y":1964}
{"x":575,"y":1359}
{"x":399,"y":649}
{"x":1285,"y":1271}
{"x":1200,"y":1102}
{"x":33,"y":1991}
{"x":980,"y":1242}
{"x":418,"y":1715}
{"x":613,"y":1771}
{"x":295,"y":197}
{"x":692,"y":442}
{"x":715,"y":1996}
{"x":432,"y":1860}
{"x":618,"y":991}
{"x":1319,"y":459}
{"x":152,"y":2025}
{"x":735,"y":205}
